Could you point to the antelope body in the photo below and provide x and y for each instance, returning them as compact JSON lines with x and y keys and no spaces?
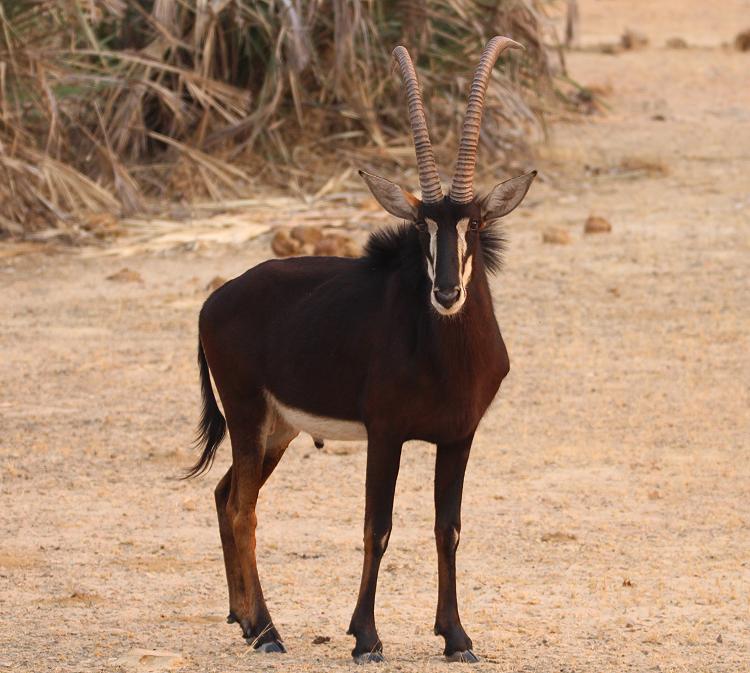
{"x":399,"y":344}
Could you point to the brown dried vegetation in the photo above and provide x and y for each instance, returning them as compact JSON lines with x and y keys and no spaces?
{"x":107,"y":104}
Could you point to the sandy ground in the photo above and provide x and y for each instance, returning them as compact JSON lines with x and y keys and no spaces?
{"x":606,"y":521}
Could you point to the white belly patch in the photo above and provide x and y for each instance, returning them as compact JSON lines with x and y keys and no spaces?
{"x":320,"y":427}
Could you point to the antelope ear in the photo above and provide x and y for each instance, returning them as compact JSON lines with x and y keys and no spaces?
{"x":395,"y":200}
{"x":506,"y":196}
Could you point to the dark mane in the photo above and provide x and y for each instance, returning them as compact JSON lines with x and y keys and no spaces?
{"x":398,"y":246}
{"x":390,"y":246}
{"x":493,"y":241}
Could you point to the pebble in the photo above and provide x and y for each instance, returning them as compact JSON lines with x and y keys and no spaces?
{"x":126,"y":275}
{"x":338,"y":246}
{"x":596,"y":225}
{"x":150,"y":660}
{"x":306,"y":234}
{"x":742,"y":41}
{"x":677,"y":43}
{"x":283,"y":245}
{"x":556,"y":236}
{"x":215,"y":283}
{"x":633,"y":39}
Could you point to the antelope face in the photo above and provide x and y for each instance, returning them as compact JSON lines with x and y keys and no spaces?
{"x":450,"y":233}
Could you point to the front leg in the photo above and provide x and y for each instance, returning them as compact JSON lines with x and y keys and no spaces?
{"x":383,"y":457}
{"x":450,"y":467}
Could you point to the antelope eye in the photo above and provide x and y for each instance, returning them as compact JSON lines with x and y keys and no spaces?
{"x":421,"y":226}
{"x":474,"y":225}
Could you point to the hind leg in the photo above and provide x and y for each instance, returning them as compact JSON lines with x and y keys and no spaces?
{"x":277,"y":440}
{"x":231,"y":560}
{"x":258,"y":442}
{"x":247,"y":429}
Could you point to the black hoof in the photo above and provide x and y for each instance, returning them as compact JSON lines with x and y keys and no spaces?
{"x":232,"y":618}
{"x":273,"y":647}
{"x":465,"y":657}
{"x":319,"y":444}
{"x":369,"y":658}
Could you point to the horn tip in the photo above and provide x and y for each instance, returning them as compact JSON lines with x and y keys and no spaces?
{"x":509,"y":43}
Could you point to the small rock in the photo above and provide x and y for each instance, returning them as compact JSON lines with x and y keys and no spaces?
{"x":215,"y":283}
{"x":558,"y":537}
{"x":351,"y":249}
{"x":337,"y":245}
{"x":319,"y":640}
{"x":328,"y":246}
{"x":611,"y":49}
{"x":283,"y":245}
{"x":150,"y":660}
{"x":305,"y":234}
{"x":557,"y":236}
{"x":644,"y":165}
{"x":627,"y":583}
{"x":596,"y":225}
{"x":588,"y":99}
{"x":677,"y":43}
{"x":126,"y":275}
{"x":742,"y":41}
{"x":719,"y":639}
{"x":632,"y":39}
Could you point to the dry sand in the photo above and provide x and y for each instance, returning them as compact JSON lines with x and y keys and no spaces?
{"x":606,"y":519}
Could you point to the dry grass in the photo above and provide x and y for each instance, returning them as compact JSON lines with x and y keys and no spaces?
{"x":106,"y":105}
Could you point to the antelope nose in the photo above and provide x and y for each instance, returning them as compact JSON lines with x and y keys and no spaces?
{"x":447,"y":296}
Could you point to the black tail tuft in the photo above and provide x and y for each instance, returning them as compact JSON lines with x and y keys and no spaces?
{"x":212,"y":427}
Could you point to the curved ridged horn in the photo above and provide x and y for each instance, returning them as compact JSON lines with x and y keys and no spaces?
{"x":462,"y":187}
{"x":429,"y":180}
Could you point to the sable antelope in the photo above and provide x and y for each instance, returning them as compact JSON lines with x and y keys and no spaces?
{"x":399,"y":344}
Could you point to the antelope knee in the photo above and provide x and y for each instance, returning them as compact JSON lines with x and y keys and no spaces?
{"x":447,"y":537}
{"x":377,"y":541}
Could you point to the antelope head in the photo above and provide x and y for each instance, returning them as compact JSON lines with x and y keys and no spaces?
{"x":449,"y":226}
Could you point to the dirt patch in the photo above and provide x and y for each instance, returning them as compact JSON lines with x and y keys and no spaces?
{"x":11,"y":561}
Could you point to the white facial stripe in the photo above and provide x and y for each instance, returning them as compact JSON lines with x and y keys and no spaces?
{"x":466,"y":275}
{"x":432,"y":227}
{"x":461,"y":226}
